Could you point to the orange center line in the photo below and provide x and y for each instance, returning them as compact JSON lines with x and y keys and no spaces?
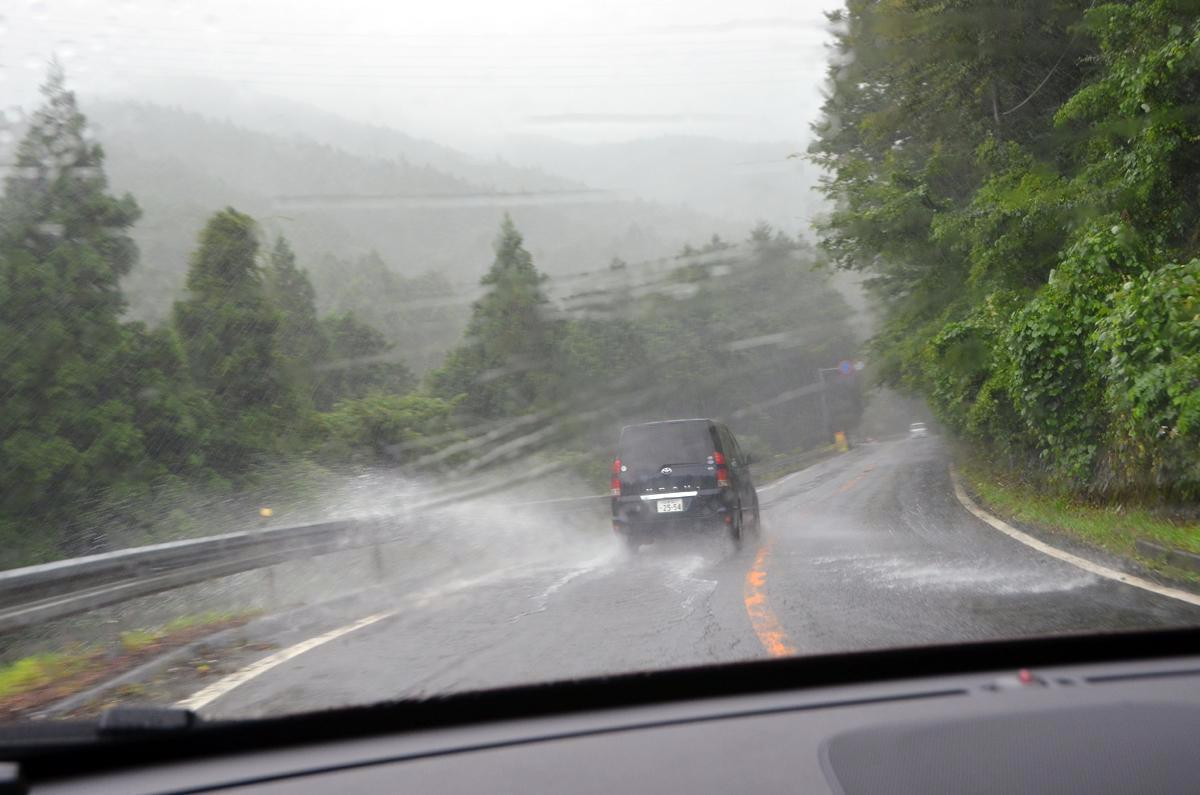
{"x":762,"y":618}
{"x":754,"y":593}
{"x":852,"y":482}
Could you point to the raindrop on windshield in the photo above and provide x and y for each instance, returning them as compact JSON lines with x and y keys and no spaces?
{"x":65,"y":49}
{"x":3,"y":25}
{"x":40,"y":10}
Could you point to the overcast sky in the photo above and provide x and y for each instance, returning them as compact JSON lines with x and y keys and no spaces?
{"x":461,"y":71}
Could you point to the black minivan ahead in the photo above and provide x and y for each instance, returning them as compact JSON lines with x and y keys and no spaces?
{"x":681,"y":475}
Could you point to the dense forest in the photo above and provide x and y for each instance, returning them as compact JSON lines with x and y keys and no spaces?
{"x":1021,"y":181}
{"x":117,"y":431}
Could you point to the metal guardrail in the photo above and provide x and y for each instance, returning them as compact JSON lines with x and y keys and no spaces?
{"x":54,"y":590}
{"x":67,"y":587}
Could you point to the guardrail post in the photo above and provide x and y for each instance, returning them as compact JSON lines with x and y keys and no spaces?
{"x":272,"y":591}
{"x":377,"y":560}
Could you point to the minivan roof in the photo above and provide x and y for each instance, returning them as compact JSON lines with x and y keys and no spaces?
{"x":667,"y":422}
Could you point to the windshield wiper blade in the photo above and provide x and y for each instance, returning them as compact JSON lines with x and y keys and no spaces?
{"x":115,"y":723}
{"x":123,"y":721}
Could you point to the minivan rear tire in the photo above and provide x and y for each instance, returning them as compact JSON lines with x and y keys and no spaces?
{"x":736,"y":528}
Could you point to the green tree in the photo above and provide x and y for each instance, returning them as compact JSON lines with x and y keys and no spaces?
{"x":756,"y":323}
{"x":421,"y":314}
{"x":292,"y":293}
{"x":1018,"y":185}
{"x":388,"y":429}
{"x":357,"y":361}
{"x":508,"y":363}
{"x":68,"y":429}
{"x":299,"y":336}
{"x":228,"y":328}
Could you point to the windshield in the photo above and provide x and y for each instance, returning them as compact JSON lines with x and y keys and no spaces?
{"x":667,"y":443}
{"x":320,"y":326}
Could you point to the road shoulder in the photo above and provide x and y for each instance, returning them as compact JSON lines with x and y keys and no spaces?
{"x":1082,"y":556}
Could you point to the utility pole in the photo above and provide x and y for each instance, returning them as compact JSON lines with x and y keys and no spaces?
{"x":825,"y":419}
{"x":844,"y":368}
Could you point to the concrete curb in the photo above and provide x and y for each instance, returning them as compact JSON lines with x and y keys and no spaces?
{"x":1179,"y":558}
{"x":1067,"y":557}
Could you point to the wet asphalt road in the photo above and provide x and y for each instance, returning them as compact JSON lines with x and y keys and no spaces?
{"x":866,"y":550}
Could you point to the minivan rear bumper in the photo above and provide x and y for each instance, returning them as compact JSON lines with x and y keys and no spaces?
{"x":707,"y":508}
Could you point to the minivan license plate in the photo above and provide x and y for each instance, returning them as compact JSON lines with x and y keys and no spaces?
{"x":670,"y":506}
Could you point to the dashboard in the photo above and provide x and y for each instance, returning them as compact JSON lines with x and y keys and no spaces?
{"x":1098,"y":727}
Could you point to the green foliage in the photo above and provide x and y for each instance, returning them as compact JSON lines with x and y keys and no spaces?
{"x":506,"y":366}
{"x":228,"y":329}
{"x":356,"y":360}
{"x":1020,"y":188}
{"x":1135,"y":125}
{"x":40,"y":670}
{"x":420,"y":315}
{"x":391,"y":429}
{"x":1149,"y":343}
{"x":299,"y":334}
{"x":80,"y":418}
{"x":118,"y":433}
{"x":732,"y":333}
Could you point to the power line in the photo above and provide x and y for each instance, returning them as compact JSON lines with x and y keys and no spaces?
{"x":649,"y":36}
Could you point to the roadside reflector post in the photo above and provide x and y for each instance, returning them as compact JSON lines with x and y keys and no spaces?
{"x":272,"y":590}
{"x":377,"y":560}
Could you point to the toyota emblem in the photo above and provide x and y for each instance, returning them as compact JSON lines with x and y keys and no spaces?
{"x":665,"y":470}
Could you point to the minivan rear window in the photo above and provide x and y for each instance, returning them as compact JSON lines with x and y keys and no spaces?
{"x":667,"y":443}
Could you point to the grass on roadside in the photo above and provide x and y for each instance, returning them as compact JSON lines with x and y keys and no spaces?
{"x":136,"y":640}
{"x":43,"y":678}
{"x":1113,"y":528}
{"x":41,"y":670}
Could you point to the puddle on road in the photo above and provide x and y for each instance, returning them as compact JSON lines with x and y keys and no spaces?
{"x":899,"y":573}
{"x":680,"y":574}
{"x":541,"y":600}
{"x":688,"y":585}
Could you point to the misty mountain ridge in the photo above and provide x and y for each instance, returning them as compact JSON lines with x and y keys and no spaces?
{"x":747,"y":181}
{"x":268,"y":113}
{"x":336,"y":205}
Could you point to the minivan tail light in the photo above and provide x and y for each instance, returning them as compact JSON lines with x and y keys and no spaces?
{"x":722,"y":473}
{"x":614,"y":486}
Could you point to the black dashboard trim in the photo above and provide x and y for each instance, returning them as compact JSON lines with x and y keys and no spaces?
{"x":615,"y":728}
{"x":66,"y":750}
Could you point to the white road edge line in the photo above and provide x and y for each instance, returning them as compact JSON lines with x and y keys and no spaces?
{"x":222,"y":686}
{"x":1074,"y":560}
